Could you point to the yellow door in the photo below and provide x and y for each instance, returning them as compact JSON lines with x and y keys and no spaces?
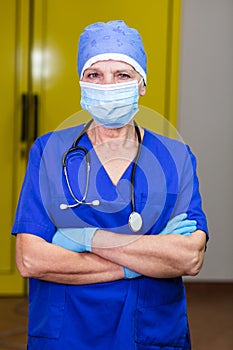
{"x":13,"y":72}
{"x":40,"y":89}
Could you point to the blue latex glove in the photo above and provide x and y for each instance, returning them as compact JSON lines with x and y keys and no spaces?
{"x":76,"y":239}
{"x":129,"y":274}
{"x":179,"y":225}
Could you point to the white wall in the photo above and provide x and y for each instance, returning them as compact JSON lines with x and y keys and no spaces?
{"x":206,"y":120}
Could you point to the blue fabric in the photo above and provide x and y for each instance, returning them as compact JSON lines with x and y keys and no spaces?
{"x":110,"y":37}
{"x":134,"y":314}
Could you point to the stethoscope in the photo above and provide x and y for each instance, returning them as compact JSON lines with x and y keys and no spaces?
{"x":135,"y":218}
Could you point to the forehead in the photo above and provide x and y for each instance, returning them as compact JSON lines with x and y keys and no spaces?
{"x":111,"y":64}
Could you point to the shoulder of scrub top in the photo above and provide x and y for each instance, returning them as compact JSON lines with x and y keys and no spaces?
{"x":174,"y":145}
{"x":65,"y":136}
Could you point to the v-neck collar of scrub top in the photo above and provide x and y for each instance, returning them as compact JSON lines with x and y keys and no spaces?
{"x":95,"y":158}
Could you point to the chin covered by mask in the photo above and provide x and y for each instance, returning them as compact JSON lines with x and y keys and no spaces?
{"x":111,"y":105}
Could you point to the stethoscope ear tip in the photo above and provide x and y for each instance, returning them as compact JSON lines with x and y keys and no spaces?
{"x":95,"y":203}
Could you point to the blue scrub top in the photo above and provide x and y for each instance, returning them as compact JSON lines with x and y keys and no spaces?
{"x":143,"y":313}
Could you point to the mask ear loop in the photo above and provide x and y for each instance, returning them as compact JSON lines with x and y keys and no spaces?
{"x":141,"y":81}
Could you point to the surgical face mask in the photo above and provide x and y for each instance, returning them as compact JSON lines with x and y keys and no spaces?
{"x":111,"y":105}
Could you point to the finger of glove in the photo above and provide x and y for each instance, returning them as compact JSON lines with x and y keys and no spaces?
{"x":180,"y":225}
{"x":185,"y":223}
{"x":173,"y":223}
{"x":183,"y":230}
{"x":177,"y":222}
{"x":177,"y":218}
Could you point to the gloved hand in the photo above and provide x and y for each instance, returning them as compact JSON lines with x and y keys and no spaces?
{"x":129,"y":274}
{"x":178,"y":225}
{"x":75,"y":239}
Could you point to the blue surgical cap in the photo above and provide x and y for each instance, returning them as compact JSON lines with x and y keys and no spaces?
{"x":112,"y":40}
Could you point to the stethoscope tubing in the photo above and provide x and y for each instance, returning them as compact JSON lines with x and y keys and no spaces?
{"x":96,"y":202}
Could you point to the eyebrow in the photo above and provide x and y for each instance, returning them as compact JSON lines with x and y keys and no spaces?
{"x":126,"y":70}
{"x":129,"y":70}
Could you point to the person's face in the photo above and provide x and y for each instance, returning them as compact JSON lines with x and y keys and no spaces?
{"x":113,"y":72}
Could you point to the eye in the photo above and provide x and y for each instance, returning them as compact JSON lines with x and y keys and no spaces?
{"x":123,"y":76}
{"x":92,"y":75}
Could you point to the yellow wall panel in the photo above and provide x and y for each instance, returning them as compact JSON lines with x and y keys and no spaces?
{"x":6,"y":131}
{"x":10,"y":282}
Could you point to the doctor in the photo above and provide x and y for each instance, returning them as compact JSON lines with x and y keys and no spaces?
{"x":106,"y":240}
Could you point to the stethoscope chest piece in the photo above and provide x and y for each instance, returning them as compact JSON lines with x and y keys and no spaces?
{"x":135,"y":221}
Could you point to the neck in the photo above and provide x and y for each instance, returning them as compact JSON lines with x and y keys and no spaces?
{"x":99,"y":134}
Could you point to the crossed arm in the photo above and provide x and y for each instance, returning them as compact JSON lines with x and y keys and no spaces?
{"x":159,"y":256}
{"x":36,"y":258}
